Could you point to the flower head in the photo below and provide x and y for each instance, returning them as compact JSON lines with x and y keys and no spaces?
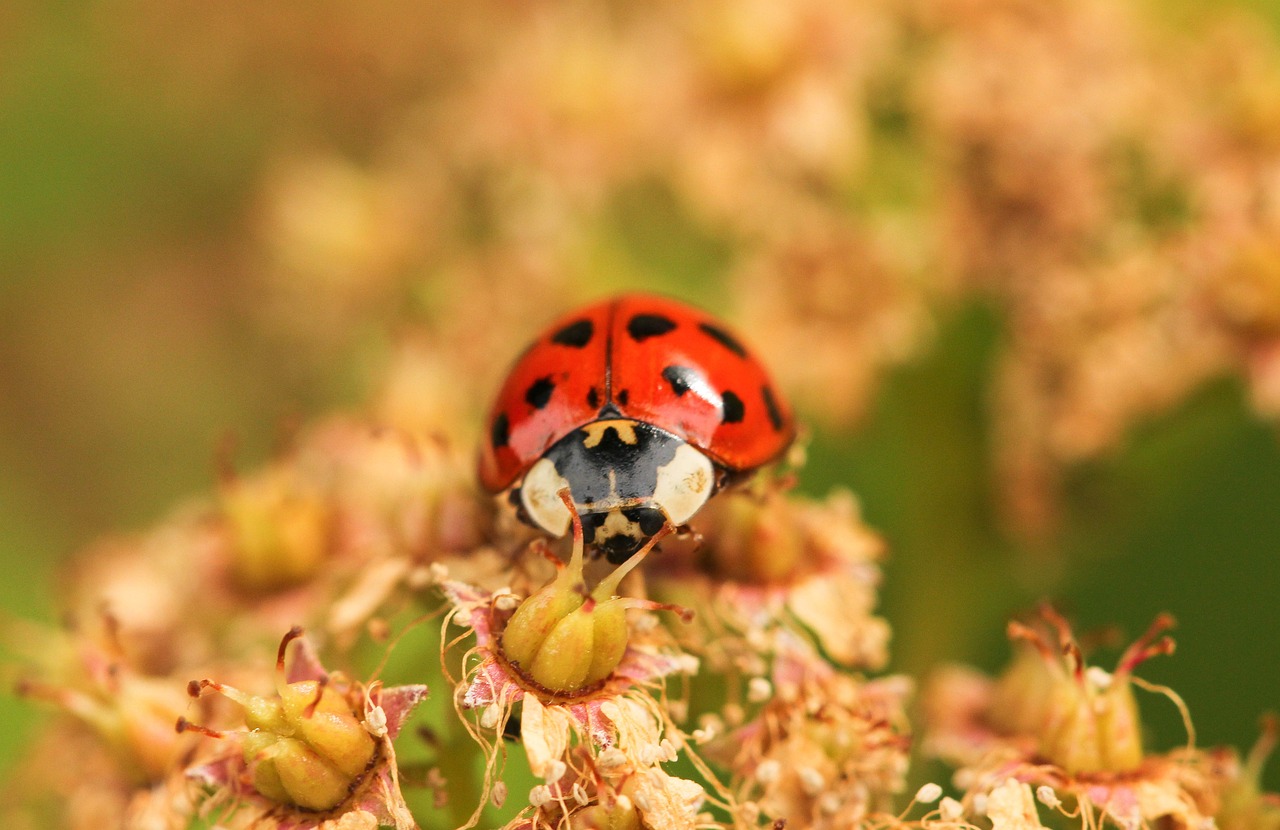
{"x":1074,"y":730}
{"x":93,"y":681}
{"x":826,"y":750}
{"x":582,"y":668}
{"x":321,"y":747}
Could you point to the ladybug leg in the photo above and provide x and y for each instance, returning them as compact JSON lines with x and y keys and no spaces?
{"x":540,"y":546}
{"x":685,"y":614}
{"x":686,"y":532}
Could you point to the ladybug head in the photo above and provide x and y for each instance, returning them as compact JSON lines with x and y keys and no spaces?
{"x":628,"y":480}
{"x":619,"y":532}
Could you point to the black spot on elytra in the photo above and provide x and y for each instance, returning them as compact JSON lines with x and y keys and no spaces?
{"x":593,"y":398}
{"x":733,"y":409}
{"x":724,"y":338}
{"x":643,"y":326}
{"x":500,"y":433}
{"x":576,"y":334}
{"x":771,"y":407}
{"x":623,"y":397}
{"x":539,"y":392}
{"x":681,"y":378}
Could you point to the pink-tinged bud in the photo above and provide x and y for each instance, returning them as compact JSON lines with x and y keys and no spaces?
{"x":131,"y":714}
{"x":1021,"y":697}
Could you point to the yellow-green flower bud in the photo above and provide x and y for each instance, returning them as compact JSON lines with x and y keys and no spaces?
{"x":564,"y":641}
{"x":564,"y":657}
{"x":583,"y":648}
{"x":536,"y":617}
{"x":278,"y":532}
{"x":609,"y":627}
{"x":752,"y":537}
{"x":621,"y":815}
{"x":305,"y":749}
{"x":289,"y":771}
{"x":1085,"y":719}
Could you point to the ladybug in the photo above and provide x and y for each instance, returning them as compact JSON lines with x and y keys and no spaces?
{"x":642,"y":407}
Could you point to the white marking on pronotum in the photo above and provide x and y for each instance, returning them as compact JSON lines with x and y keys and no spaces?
{"x":684,"y":484}
{"x":540,"y":494}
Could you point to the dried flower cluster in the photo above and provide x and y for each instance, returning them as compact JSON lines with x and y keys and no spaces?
{"x":743,"y":662}
{"x":1111,"y":185}
{"x":717,"y":681}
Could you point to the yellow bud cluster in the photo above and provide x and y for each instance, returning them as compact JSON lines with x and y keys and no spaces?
{"x":278,"y":534}
{"x":305,"y":748}
{"x":565,"y":641}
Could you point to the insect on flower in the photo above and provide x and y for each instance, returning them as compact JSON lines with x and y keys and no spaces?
{"x":643,"y":408}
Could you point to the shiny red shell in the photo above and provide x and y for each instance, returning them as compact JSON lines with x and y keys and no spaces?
{"x":656,"y":360}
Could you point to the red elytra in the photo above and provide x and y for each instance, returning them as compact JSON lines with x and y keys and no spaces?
{"x":657,"y":361}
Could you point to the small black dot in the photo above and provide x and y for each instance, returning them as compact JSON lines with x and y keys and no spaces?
{"x":540,"y":392}
{"x":593,"y":398}
{"x":644,"y":326}
{"x":771,"y":407}
{"x":577,"y":334}
{"x":623,"y":397}
{"x":500,"y":434}
{"x":733,"y":409}
{"x":724,"y":338}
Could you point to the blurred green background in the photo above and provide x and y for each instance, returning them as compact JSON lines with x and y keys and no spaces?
{"x":131,"y":340}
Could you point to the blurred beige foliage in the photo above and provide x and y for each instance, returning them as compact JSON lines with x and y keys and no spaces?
{"x":1108,"y":180}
